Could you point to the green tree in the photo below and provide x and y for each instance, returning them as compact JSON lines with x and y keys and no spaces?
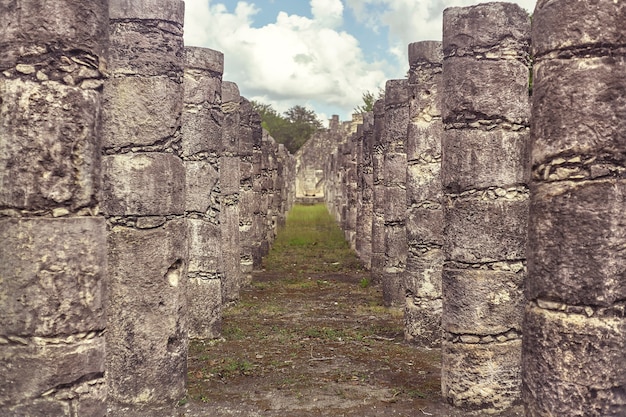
{"x":293,"y":128}
{"x":368,"y":101}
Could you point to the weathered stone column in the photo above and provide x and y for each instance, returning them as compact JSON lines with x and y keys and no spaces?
{"x":202,"y":151}
{"x":424,"y":218}
{"x":144,"y":201}
{"x":396,"y":245}
{"x":250,"y":133}
{"x":53,"y":250}
{"x":230,"y":183}
{"x":378,"y":193}
{"x":574,"y":355}
{"x":484,"y":174}
{"x":365,"y":191}
{"x":350,"y":188}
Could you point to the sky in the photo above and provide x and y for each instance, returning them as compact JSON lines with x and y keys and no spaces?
{"x":321,"y":54}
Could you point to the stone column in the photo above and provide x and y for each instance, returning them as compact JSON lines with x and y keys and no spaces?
{"x":365,"y":191}
{"x":144,"y":202}
{"x":574,"y":353}
{"x":249,"y":134}
{"x":230,"y":183}
{"x":424,"y":217}
{"x":396,"y":245}
{"x":484,"y":174}
{"x":53,"y":250}
{"x":378,"y":193}
{"x":202,"y":154}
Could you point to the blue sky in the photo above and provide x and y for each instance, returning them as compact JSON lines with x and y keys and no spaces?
{"x":322,"y":54}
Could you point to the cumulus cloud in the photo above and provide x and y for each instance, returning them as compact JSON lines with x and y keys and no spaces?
{"x":294,"y":60}
{"x":329,"y":13}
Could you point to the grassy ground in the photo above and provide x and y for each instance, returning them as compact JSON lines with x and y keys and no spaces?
{"x":310,"y":243}
{"x":310,"y":337}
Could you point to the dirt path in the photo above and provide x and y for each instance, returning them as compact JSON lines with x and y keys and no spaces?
{"x":304,"y":341}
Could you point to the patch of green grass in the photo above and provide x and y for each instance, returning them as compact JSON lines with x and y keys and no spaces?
{"x":233,"y":333}
{"x":364,"y":283}
{"x":311,"y":242}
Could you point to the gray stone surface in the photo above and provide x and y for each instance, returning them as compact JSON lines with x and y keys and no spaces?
{"x":575,"y":330}
{"x":424,"y":215}
{"x":147,"y":318}
{"x":484,"y":175}
{"x":53,"y":252}
{"x":394,"y":181}
{"x":144,"y":197}
{"x":202,"y":152}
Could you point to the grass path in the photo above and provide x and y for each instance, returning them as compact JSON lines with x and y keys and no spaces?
{"x":310,"y":337}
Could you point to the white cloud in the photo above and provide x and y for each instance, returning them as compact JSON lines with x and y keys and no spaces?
{"x":295,"y":60}
{"x":327,"y":12}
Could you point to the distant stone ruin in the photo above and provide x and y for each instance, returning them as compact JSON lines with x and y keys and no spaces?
{"x":138,"y":193}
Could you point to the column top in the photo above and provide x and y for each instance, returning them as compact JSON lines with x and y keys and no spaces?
{"x":168,"y":10}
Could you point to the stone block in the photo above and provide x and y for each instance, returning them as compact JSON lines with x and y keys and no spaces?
{"x":422,"y":277}
{"x":202,"y":88}
{"x":475,"y":98}
{"x":477,"y":159}
{"x":482,"y":302}
{"x":422,"y":322}
{"x":471,"y":30}
{"x":202,"y":132}
{"x":600,"y":128}
{"x":424,"y":139}
{"x":145,"y":48}
{"x":205,"y":308}
{"x":396,"y":128}
{"x":58,"y":366}
{"x":53,"y":279}
{"x":395,"y":168}
{"x":396,"y":94}
{"x":143,"y":184}
{"x":423,"y":185}
{"x":167,"y":10}
{"x":576,"y":234}
{"x":479,"y":231}
{"x":48,"y":152}
{"x":204,"y":59}
{"x":141,"y":111}
{"x":573,"y":364}
{"x":147,"y":319}
{"x":558,"y":24}
{"x":202,"y":179}
{"x":205,"y":247}
{"x":481,"y":376}
{"x":33,"y":23}
{"x":425,"y":52}
{"x":229,"y":175}
{"x":396,"y":246}
{"x":231,"y":252}
{"x":395,"y":204}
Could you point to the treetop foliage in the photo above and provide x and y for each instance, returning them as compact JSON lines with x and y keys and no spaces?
{"x":293,"y":128}
{"x":369,"y":99}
